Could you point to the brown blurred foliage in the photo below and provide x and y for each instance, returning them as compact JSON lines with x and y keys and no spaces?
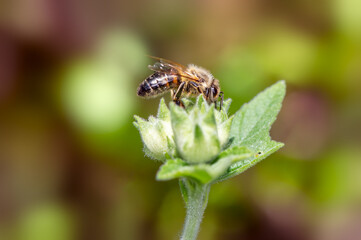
{"x":71,"y":163}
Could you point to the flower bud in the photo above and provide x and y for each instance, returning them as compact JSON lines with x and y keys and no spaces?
{"x":195,"y":133}
{"x":157,"y":134}
{"x":224,"y":123}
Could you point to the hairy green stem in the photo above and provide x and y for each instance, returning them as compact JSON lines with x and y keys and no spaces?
{"x":196,"y":198}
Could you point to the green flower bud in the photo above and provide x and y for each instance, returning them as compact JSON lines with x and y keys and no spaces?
{"x":195,"y":133}
{"x":157,"y":134}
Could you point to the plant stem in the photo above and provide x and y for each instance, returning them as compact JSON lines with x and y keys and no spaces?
{"x":196,"y":202}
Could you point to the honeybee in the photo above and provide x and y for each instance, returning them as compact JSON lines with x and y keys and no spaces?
{"x":181,"y":81}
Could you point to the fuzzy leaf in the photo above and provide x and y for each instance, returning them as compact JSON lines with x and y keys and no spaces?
{"x":184,"y":190}
{"x":201,"y":103}
{"x":251,"y":125}
{"x":163,"y":111}
{"x":204,"y":173}
{"x":236,"y":153}
{"x":224,"y":130}
{"x":188,"y":103}
{"x":226,"y":105}
{"x":176,"y":168}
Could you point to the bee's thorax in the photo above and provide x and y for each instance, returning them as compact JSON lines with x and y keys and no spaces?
{"x":204,"y":75}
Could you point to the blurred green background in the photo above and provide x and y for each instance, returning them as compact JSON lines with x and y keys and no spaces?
{"x":71,"y":162}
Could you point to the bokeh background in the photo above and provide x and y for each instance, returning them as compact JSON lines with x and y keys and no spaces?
{"x":71,"y":162}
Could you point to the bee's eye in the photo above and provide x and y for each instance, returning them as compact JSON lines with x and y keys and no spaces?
{"x":214,"y":91}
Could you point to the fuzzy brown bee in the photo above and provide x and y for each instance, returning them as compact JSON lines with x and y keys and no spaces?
{"x":181,"y":81}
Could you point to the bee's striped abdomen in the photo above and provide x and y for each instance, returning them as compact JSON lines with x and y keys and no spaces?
{"x":158,"y":83}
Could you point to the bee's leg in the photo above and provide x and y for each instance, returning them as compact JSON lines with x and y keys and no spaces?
{"x":179,"y":103}
{"x":211,"y":97}
{"x":177,"y":94}
{"x":215,"y":100}
{"x":221,"y":94}
{"x":179,"y":91}
{"x":199,"y":89}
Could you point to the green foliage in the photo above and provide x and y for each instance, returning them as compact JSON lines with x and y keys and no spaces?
{"x":203,"y":172}
{"x":201,"y":145}
{"x":46,"y":222}
{"x":251,"y":126}
{"x":207,"y":145}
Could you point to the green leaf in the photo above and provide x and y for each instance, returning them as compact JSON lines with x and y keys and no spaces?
{"x":226,"y":105}
{"x":201,"y":103}
{"x":251,"y":125}
{"x":184,"y":190}
{"x":188,"y":103}
{"x":224,"y":131}
{"x":163,"y":111}
{"x":204,"y":173}
{"x":236,"y":153}
{"x":176,"y":168}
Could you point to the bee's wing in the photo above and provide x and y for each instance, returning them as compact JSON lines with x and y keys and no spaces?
{"x":170,"y":63}
{"x":168,"y":66}
{"x":160,"y":67}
